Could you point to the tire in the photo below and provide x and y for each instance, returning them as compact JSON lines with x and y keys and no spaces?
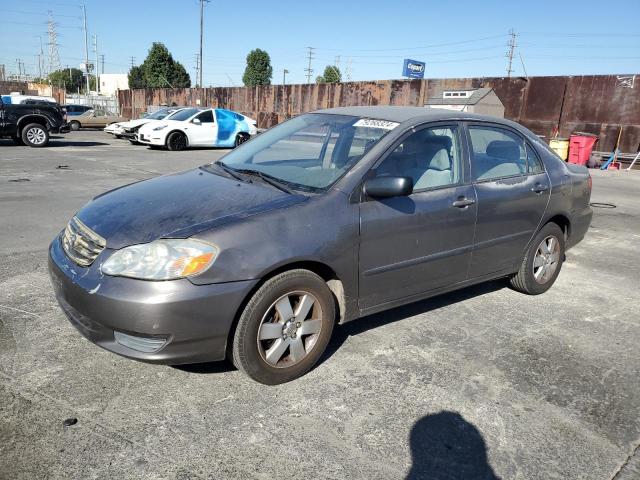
{"x":536,"y":279}
{"x":240,"y":139}
{"x":74,"y":125}
{"x":17,"y":140}
{"x":176,"y":141}
{"x":294,"y":288}
{"x":35,"y":135}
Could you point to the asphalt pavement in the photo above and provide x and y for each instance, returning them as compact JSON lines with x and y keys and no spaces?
{"x":481,"y":383}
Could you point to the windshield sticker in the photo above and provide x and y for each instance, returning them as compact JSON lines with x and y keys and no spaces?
{"x":368,"y":122}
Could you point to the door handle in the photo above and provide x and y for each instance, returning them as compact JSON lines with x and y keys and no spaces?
{"x":539,"y":188}
{"x":463,"y":202}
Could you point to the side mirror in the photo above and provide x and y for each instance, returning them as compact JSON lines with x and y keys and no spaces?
{"x":384,"y":187}
{"x":196,"y":121}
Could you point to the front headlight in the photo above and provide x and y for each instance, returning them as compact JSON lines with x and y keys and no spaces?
{"x":161,"y":127}
{"x":161,"y":260}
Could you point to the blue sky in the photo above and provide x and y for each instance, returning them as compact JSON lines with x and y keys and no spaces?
{"x":455,"y":39}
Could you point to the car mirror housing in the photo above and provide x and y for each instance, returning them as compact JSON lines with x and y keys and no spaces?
{"x":196,"y":121}
{"x":384,"y":187}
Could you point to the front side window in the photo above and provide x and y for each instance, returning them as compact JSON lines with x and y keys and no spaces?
{"x":311,"y":151}
{"x":431,"y":157}
{"x":206,"y":117}
{"x":496,"y":153}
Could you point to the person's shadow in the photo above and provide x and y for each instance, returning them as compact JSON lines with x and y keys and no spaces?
{"x":444,"y":446}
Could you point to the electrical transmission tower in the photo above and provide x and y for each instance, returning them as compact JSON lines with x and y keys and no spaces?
{"x":133,"y":61}
{"x":309,"y":70}
{"x":348,"y":70}
{"x":510,"y":52}
{"x":54,"y":56}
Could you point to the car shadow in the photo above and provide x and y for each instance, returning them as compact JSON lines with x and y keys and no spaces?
{"x":445,"y":446}
{"x":361,"y":325}
{"x":72,"y":143}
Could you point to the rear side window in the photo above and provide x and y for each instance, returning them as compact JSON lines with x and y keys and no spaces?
{"x":496,"y":153}
{"x":534,"y":164}
{"x":206,"y":117}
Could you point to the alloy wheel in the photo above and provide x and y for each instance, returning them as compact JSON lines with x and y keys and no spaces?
{"x":36,"y":136}
{"x":545,"y":261}
{"x":289,"y":329}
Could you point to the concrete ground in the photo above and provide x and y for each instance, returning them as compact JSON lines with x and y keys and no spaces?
{"x":482,"y":383}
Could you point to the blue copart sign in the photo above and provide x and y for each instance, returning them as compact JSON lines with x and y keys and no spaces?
{"x":413,"y":68}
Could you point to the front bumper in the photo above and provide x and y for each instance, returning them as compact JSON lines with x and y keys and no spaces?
{"x":146,"y":139}
{"x":191,"y":323}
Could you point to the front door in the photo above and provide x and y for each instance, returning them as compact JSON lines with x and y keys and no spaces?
{"x":422,"y":242}
{"x":513,"y":192}
{"x":205,"y":132}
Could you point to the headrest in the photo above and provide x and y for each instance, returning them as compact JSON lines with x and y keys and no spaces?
{"x":441,"y":141}
{"x":504,"y":149}
{"x":440,"y":160}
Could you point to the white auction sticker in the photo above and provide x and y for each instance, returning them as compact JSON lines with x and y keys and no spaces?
{"x":368,"y":122}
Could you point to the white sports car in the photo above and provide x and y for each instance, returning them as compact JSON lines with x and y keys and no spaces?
{"x":130,"y":128}
{"x":197,"y":127}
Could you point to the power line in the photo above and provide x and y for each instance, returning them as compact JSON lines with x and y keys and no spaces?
{"x":309,"y":70}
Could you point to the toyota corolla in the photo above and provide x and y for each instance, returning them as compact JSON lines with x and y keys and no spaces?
{"x":328,"y":217}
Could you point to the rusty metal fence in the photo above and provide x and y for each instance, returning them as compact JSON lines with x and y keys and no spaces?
{"x":598,"y":104}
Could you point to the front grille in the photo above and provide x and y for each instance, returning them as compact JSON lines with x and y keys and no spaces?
{"x":81,"y":244}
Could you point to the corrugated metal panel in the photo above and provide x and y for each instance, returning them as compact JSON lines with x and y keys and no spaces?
{"x":599,"y":104}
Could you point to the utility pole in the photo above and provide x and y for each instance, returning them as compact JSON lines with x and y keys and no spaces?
{"x":348,"y":70}
{"x":201,"y":35}
{"x":197,"y":66}
{"x":97,"y":70}
{"x":512,"y":47}
{"x":86,"y":46}
{"x":284,"y":76}
{"x":309,"y":70}
{"x":102,"y":62}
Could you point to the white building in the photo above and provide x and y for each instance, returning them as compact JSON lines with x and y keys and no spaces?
{"x":480,"y":100}
{"x":110,"y":82}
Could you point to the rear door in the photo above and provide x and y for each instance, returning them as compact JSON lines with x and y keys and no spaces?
{"x":512,"y":190}
{"x":422,"y":242}
{"x":203,"y":134}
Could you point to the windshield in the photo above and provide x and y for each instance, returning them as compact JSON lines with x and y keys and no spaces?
{"x":158,"y":115}
{"x":184,"y":114}
{"x":311,"y":151}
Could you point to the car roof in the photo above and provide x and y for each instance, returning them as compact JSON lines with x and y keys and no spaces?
{"x":416,"y":114}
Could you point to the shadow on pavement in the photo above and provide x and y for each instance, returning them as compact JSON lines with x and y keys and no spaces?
{"x":444,"y":446}
{"x":361,"y":325}
{"x":207,"y":368}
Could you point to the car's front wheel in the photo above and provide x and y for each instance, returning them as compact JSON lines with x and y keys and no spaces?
{"x":542,"y":263}
{"x":285,"y":327}
{"x":176,"y":141}
{"x":35,"y":135}
{"x":74,"y":125}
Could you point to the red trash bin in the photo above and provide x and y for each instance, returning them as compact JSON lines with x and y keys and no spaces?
{"x":580,"y":147}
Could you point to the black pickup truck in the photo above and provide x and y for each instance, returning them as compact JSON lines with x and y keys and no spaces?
{"x":31,"y":124}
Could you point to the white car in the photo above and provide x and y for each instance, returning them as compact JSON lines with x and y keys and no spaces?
{"x":197,"y":127}
{"x":130,"y":128}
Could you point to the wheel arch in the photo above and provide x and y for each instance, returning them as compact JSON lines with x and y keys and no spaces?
{"x":562,"y":221}
{"x":323,"y":270}
{"x":34,"y":118}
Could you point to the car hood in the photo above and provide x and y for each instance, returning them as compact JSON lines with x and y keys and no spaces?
{"x":178,"y":206}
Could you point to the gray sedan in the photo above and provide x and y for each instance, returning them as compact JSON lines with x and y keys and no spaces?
{"x":326,"y":218}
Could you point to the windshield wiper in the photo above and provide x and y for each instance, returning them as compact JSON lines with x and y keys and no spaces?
{"x":229,"y":170}
{"x":271,"y":180}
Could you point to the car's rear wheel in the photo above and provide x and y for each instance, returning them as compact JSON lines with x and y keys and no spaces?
{"x":240,"y":139}
{"x":74,"y":125}
{"x":35,"y":135}
{"x":176,"y":141}
{"x":542,"y":263}
{"x":285,"y":327}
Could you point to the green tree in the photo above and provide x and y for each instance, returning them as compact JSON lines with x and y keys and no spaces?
{"x":159,"y":70}
{"x":331,"y":75}
{"x":259,"y":70}
{"x":72,"y":78}
{"x":136,"y":78}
